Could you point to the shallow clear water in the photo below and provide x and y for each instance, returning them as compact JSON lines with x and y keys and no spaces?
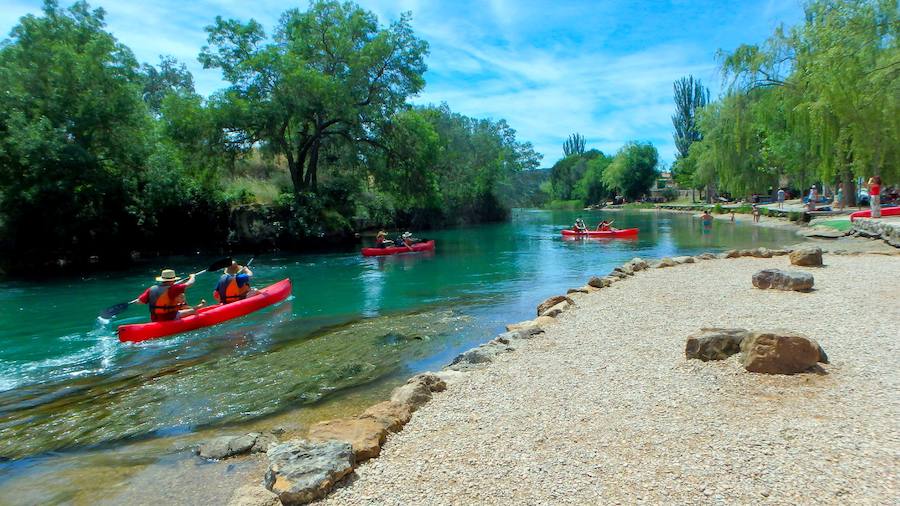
{"x":68,"y":385}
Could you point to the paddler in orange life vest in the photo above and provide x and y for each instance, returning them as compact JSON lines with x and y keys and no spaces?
{"x":165,"y":299}
{"x":234,"y":284}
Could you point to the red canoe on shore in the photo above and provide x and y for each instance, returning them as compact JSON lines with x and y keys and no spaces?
{"x":625,"y":232}
{"x":207,"y":316}
{"x":393,"y":250}
{"x":885,"y":211}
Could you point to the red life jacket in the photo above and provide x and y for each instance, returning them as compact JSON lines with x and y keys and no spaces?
{"x":162,"y":307}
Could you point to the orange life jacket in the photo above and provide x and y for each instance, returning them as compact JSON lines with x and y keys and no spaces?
{"x":229,"y":291}
{"x":162,"y":307}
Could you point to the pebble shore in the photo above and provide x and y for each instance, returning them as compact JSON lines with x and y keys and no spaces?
{"x":604,"y":408}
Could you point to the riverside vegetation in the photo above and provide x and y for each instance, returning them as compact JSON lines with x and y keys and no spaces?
{"x":101,"y":155}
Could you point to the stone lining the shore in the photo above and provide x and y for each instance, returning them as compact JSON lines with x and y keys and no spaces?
{"x":366,"y":438}
{"x":485,"y":438}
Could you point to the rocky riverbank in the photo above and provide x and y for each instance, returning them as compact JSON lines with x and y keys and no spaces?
{"x":597,"y":403}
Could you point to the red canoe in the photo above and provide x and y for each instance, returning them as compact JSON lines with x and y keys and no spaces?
{"x":207,"y":316}
{"x":393,"y":250}
{"x":625,"y":232}
{"x":885,"y":211}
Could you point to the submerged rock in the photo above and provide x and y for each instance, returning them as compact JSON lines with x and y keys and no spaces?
{"x":253,"y":495}
{"x":222,"y":447}
{"x":783,"y":280}
{"x":806,"y":257}
{"x":302,"y":471}
{"x":780,"y":352}
{"x":714,"y":343}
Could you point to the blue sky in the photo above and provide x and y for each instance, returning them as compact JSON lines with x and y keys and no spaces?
{"x":602,"y":68}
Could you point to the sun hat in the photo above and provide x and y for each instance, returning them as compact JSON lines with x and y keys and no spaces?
{"x":234,"y":268}
{"x":167,"y":275}
{"x":407,"y":234}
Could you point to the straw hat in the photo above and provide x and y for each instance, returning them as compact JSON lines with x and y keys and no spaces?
{"x":234,"y":268}
{"x":167,"y":275}
{"x":407,"y":234}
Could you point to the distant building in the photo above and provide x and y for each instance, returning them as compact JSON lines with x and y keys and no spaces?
{"x":665,"y":181}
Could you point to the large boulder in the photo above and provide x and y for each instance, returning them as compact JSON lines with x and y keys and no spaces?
{"x":625,"y":269}
{"x":732,"y":253}
{"x":638,"y":264}
{"x":714,"y":343}
{"x":556,"y":310}
{"x":806,"y":257}
{"x":253,"y":495}
{"x":684,"y":260}
{"x":665,"y":262}
{"x":391,"y":415}
{"x":417,"y":390}
{"x":302,"y":471}
{"x":780,"y":352}
{"x":365,"y":435}
{"x":783,"y":280}
{"x":598,"y":282}
{"x":552,"y":301}
{"x":479,"y":355}
{"x":707,"y":256}
{"x":762,"y":253}
{"x":222,"y":447}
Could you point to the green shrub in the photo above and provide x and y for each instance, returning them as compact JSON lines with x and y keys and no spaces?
{"x":795,"y":216}
{"x":717,"y":209}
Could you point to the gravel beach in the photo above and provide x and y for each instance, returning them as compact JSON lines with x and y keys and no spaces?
{"x":604,"y":407}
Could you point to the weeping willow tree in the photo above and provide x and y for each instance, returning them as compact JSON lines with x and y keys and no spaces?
{"x":574,"y":145}
{"x":818,"y":102}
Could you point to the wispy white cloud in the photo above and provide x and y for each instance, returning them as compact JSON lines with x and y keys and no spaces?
{"x":604,"y":69}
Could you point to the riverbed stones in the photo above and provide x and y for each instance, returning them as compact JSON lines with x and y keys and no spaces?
{"x":552,"y":301}
{"x":706,"y":256}
{"x":222,"y":447}
{"x":365,"y":435}
{"x":732,"y":253}
{"x":780,"y":352}
{"x":598,"y":282}
{"x":778,"y":279}
{"x":638,"y":264}
{"x":714,"y":343}
{"x":580,"y":289}
{"x":762,"y":253}
{"x":683,"y":260}
{"x":253,"y":495}
{"x":301,"y":471}
{"x":806,"y":257}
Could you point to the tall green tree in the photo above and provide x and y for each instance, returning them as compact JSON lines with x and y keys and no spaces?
{"x":74,"y":135}
{"x":690,"y":96}
{"x":633,"y":170}
{"x":331,"y":73}
{"x":574,"y":145}
{"x":169,"y":77}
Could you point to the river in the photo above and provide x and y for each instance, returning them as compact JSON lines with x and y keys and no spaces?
{"x":75,"y":403}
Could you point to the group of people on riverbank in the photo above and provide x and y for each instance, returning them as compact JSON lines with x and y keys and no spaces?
{"x":167,"y":300}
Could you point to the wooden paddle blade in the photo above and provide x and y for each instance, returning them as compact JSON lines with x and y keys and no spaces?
{"x":113,"y":310}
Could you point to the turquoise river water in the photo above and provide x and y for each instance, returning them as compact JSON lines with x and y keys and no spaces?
{"x":74,"y":402}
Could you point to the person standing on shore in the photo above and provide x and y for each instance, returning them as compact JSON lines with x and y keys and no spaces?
{"x":875,"y":196}
{"x":781,"y":198}
{"x":755,"y":213}
{"x":839,"y":196}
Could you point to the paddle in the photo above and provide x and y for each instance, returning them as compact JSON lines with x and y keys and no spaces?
{"x":122,"y":306}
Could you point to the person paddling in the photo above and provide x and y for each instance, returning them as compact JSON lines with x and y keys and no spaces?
{"x":606,"y":226}
{"x":381,"y":240}
{"x":579,"y":225}
{"x":163,"y":297}
{"x":234,"y":284}
{"x":408,"y":239}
